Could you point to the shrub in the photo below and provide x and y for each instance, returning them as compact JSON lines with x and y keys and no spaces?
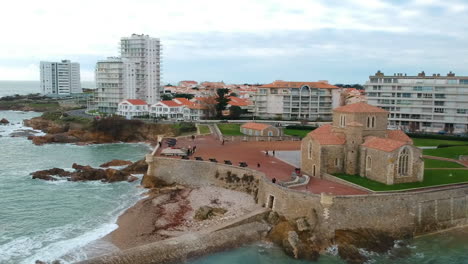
{"x":435,"y":136}
{"x":299,"y":127}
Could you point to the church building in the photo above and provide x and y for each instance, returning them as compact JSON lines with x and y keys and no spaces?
{"x":358,"y":142}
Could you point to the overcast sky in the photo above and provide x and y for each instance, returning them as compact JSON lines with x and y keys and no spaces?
{"x":343,"y":41}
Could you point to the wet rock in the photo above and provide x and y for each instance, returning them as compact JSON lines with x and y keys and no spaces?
{"x":273,"y":218}
{"x":149,"y":181}
{"x":4,"y":121}
{"x":351,"y":254}
{"x":44,"y":177}
{"x":23,"y":133}
{"x":47,"y":174}
{"x":40,"y":262}
{"x":302,"y":224}
{"x":115,"y":162}
{"x":132,"y":178}
{"x":138,"y":167}
{"x":116,"y":175}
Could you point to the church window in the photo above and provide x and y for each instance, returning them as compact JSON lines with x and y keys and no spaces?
{"x":337,"y":162}
{"x":368,"y":163}
{"x":309,"y":150}
{"x":403,"y":162}
{"x":342,"y":121}
{"x":370,"y":121}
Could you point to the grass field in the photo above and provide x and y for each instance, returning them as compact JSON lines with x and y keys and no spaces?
{"x":296,"y":132}
{"x":431,"y":178}
{"x":423,"y":142}
{"x":450,"y":152}
{"x":230,"y":129}
{"x":432,"y":163}
{"x":204,"y":129}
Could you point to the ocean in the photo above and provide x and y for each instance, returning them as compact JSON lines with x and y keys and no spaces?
{"x":41,"y":220}
{"x":27,"y":87}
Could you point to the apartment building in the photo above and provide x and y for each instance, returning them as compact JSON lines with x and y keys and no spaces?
{"x":60,"y":78}
{"x":296,"y":100}
{"x":426,"y":103}
{"x":136,"y":74}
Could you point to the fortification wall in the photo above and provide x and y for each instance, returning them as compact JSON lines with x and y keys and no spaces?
{"x":409,"y":212}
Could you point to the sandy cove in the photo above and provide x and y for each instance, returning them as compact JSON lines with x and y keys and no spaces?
{"x":169,"y":212}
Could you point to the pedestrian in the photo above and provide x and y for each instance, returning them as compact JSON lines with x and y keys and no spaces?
{"x":266,"y":152}
{"x":273,"y":152}
{"x":160,"y":144}
{"x":193,"y":137}
{"x":258,"y":164}
{"x":222,"y":142}
{"x":273,"y":180}
{"x":194,"y":148}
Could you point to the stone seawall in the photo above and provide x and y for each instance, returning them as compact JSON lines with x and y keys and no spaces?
{"x":414,"y":213}
{"x":185,"y":247}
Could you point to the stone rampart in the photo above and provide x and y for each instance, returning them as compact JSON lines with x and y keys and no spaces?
{"x":415,"y":212}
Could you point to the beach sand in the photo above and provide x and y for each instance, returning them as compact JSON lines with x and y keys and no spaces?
{"x":169,"y":212}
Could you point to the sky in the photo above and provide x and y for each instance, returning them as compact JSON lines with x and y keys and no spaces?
{"x":242,"y":41}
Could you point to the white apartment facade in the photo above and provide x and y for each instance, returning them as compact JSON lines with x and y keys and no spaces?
{"x":431,"y":103}
{"x":134,"y":75}
{"x":131,"y":108}
{"x":296,"y":100}
{"x":60,"y":78}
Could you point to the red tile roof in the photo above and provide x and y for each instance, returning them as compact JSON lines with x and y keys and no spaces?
{"x":399,"y":135}
{"x":360,"y":108}
{"x":236,"y":101}
{"x":255,"y":126}
{"x":384,"y":144}
{"x":283,"y":84}
{"x":136,"y":102}
{"x":183,"y":100}
{"x":197,"y":106}
{"x":171,"y":103}
{"x":325,"y":136}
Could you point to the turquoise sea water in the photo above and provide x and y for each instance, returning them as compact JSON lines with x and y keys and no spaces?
{"x":27,"y":87}
{"x":449,"y":247}
{"x":51,"y":220}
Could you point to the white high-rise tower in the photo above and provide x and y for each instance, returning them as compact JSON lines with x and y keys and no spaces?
{"x":135,"y":75}
{"x":60,"y":78}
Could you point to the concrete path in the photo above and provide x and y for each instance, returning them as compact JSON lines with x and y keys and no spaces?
{"x":445,"y":159}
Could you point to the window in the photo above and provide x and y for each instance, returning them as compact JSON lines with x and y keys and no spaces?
{"x":463,"y":81}
{"x":342,"y":120}
{"x":309,"y":150}
{"x":368,"y":163}
{"x":370,"y":121}
{"x":270,"y":133}
{"x":403,"y":161}
{"x":439,"y":103}
{"x":461,"y":111}
{"x":439,"y":110}
{"x":337,"y":162}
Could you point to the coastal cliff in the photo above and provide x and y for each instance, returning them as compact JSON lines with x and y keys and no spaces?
{"x":61,"y":128}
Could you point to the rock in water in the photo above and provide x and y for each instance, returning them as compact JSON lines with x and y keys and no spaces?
{"x":4,"y":121}
{"x":115,"y":163}
{"x":139,"y":167}
{"x":46,"y":174}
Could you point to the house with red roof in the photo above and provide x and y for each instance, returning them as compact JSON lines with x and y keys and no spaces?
{"x":260,"y":129}
{"x":359,"y":143}
{"x":131,"y":108}
{"x":180,"y":109}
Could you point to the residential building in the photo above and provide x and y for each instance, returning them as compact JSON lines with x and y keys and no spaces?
{"x":136,"y":74}
{"x":358,"y":142}
{"x":131,"y":108}
{"x":178,"y":109}
{"x":60,"y":78}
{"x":296,"y":100}
{"x":432,"y":103}
{"x":259,"y":129}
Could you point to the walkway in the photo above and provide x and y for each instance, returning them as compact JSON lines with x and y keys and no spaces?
{"x":463,"y":163}
{"x":253,"y":153}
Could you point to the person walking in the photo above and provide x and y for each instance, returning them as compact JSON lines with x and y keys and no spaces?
{"x":273,"y":152}
{"x":193,"y":137}
{"x":222,"y":142}
{"x":258,"y":164}
{"x":266,"y":152}
{"x":194,"y":148}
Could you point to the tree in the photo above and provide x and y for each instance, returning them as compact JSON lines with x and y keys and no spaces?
{"x":166,"y":97}
{"x":184,"y":95}
{"x":222,"y":101}
{"x":235,"y":112}
{"x":233,"y":95}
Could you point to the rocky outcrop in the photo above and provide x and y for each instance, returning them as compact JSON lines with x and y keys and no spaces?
{"x":115,"y":162}
{"x":85,"y":173}
{"x":4,"y":121}
{"x":352,"y":242}
{"x":138,"y":167}
{"x":207,"y":212}
{"x":152,"y":182}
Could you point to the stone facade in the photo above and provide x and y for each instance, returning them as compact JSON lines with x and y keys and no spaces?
{"x":358,"y":142}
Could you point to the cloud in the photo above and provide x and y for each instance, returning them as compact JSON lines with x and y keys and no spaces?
{"x":266,"y":34}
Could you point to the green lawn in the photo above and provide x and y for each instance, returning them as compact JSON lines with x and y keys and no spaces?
{"x":431,"y":178}
{"x":432,"y":163}
{"x":422,"y":142}
{"x":230,"y":129}
{"x":204,"y":129}
{"x":296,"y":132}
{"x":450,"y":152}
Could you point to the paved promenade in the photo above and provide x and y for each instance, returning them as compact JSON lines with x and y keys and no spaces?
{"x":254,"y":152}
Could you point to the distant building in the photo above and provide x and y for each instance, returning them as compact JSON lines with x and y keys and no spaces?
{"x":178,"y":109}
{"x":430,"y":103}
{"x":60,"y":78}
{"x":258,"y":129}
{"x":296,"y":100}
{"x":134,"y":75}
{"x":359,"y":143}
{"x":188,"y":84}
{"x":131,"y":108}
{"x":351,"y":96}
